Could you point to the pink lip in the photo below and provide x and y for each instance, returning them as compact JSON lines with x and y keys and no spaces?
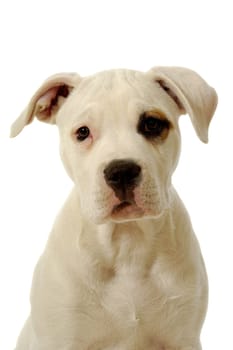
{"x":126,"y":210}
{"x":121,"y":206}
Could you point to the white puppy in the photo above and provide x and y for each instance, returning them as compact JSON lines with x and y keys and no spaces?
{"x":122,"y":269}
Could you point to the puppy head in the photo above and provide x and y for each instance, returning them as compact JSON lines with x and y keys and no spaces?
{"x":119,"y":134}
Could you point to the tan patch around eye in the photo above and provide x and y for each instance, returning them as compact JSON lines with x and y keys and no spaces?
{"x":160,"y":115}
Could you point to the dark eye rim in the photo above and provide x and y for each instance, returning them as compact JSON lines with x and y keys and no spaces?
{"x":157,"y":131}
{"x":82,"y":133}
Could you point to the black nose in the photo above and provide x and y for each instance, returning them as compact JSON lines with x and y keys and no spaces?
{"x":122,"y":175}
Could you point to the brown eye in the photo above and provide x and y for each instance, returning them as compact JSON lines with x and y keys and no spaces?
{"x":152,"y":126}
{"x":82,"y":133}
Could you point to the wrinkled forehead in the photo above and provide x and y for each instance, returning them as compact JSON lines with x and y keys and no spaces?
{"x":119,"y":84}
{"x":108,"y":80}
{"x":114,"y":84}
{"x":127,"y":89}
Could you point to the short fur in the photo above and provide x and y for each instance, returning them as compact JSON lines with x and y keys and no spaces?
{"x":131,"y":278}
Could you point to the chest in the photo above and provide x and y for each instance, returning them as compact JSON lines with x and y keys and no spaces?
{"x":130,"y":308}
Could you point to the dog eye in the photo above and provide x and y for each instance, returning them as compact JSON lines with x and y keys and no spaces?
{"x":82,"y":133}
{"x":152,"y":126}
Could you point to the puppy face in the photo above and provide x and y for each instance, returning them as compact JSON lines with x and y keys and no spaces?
{"x":120,"y":144}
{"x":120,"y":139}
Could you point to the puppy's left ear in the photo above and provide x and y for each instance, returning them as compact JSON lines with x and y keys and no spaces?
{"x":191,"y":94}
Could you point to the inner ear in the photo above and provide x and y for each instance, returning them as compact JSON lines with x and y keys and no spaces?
{"x":48,"y":104}
{"x":171,"y":93}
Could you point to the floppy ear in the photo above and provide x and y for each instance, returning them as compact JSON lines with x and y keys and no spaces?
{"x":47,"y":100}
{"x":191,"y":94}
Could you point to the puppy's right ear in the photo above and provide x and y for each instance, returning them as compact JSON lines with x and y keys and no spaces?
{"x":47,"y":100}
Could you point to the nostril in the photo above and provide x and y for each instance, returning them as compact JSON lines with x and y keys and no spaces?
{"x":114,"y":177}
{"x":122,"y":173}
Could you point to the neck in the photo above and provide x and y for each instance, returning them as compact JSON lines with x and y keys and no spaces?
{"x":134,"y":243}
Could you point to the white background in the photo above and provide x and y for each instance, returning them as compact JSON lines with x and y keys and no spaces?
{"x":39,"y":38}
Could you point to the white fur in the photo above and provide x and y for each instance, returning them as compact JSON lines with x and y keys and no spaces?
{"x":134,"y":280}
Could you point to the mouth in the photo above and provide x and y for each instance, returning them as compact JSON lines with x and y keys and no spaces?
{"x":126,"y":210}
{"x":121,"y":206}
